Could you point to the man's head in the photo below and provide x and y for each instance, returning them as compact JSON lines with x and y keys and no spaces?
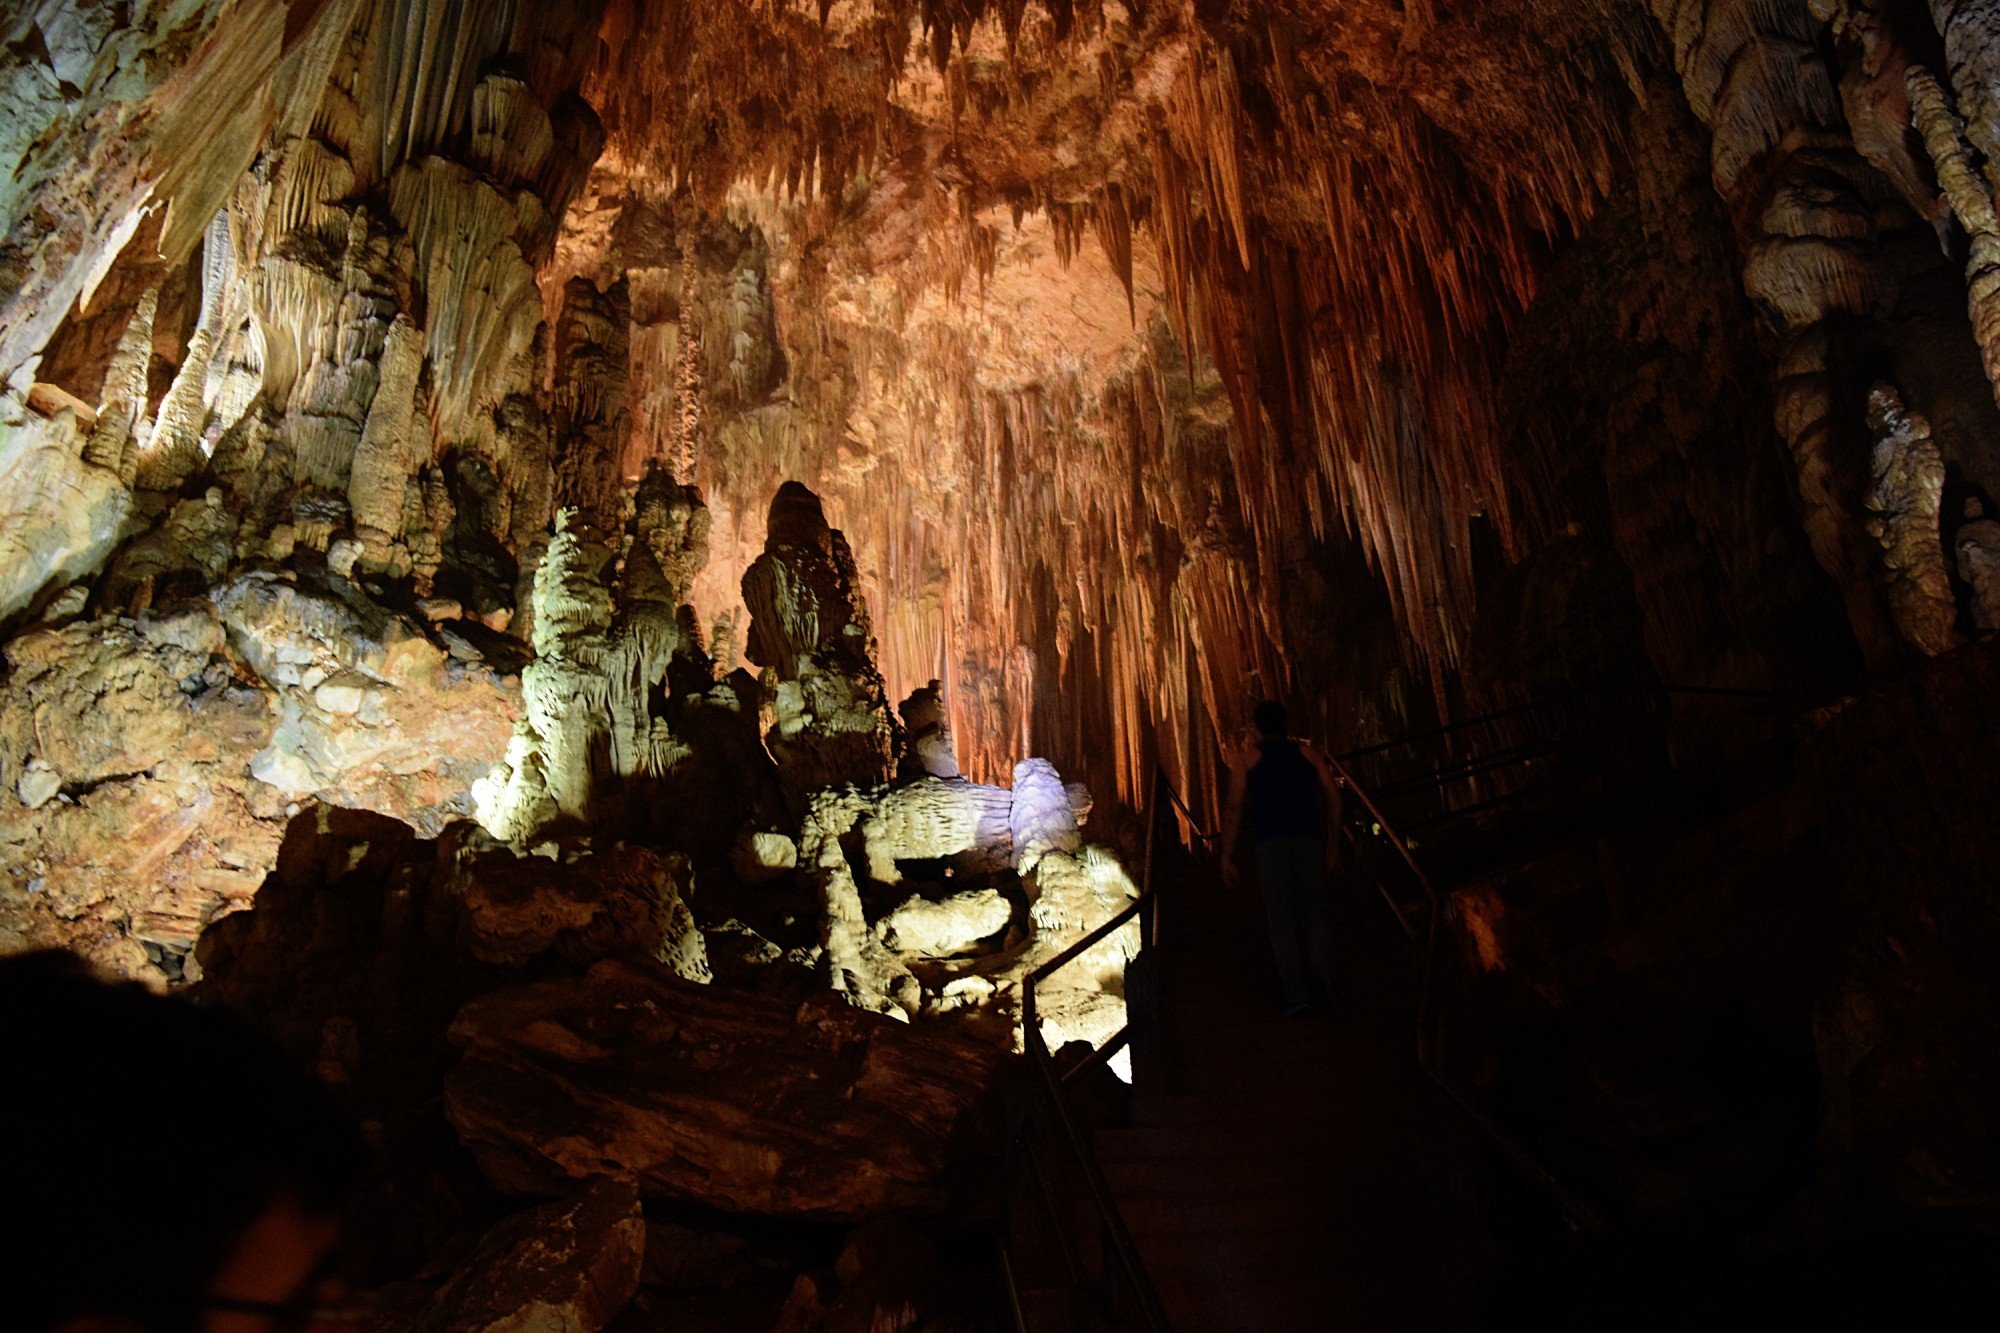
{"x":1270,"y":719}
{"x":172,"y":1168}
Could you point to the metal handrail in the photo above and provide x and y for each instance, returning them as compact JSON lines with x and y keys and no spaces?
{"x":1151,"y":1315}
{"x":1554,"y":701}
{"x":1550,"y":718}
{"x":1579,"y":1211}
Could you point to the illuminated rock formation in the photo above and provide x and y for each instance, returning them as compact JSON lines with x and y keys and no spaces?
{"x":1903,"y":507}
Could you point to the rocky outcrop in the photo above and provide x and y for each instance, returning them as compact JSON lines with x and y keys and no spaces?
{"x":150,"y":761}
{"x":567,"y":1265}
{"x":810,"y":631}
{"x":624,"y":726}
{"x":739,"y":1102}
{"x":623,"y":902}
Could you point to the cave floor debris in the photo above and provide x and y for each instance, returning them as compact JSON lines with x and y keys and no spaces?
{"x":1292,"y":1174}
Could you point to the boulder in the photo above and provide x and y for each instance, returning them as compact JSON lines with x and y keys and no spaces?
{"x":940,"y":927}
{"x":619,"y":902}
{"x":760,"y":857}
{"x":741,"y":1102}
{"x":569,"y":1266}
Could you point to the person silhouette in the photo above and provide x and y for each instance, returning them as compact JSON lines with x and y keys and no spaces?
{"x":173,"y":1168}
{"x":1294,"y":809}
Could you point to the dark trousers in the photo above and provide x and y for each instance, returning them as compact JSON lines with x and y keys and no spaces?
{"x":1292,"y":874}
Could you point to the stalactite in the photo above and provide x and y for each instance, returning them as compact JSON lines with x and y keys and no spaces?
{"x":1972,"y":201}
{"x":1971,"y":31}
{"x":1755,"y":76}
{"x":688,"y":371}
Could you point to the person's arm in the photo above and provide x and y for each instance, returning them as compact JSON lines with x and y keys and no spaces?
{"x":1336,"y":804}
{"x":1239,"y":754}
{"x":1232,"y":823}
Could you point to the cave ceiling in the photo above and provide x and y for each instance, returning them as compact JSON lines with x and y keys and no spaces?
{"x":1177,"y":291}
{"x":1150,"y":354}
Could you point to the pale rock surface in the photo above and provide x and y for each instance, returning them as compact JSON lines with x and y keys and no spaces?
{"x":759,"y":857}
{"x":38,"y":785}
{"x":182,"y":756}
{"x":938,"y":818}
{"x":1045,"y":816}
{"x":939,"y":928}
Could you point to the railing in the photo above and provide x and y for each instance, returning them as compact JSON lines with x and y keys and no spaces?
{"x":1472,"y":768}
{"x":1597,"y":719}
{"x":1579,"y":1213}
{"x":1131,"y":1296}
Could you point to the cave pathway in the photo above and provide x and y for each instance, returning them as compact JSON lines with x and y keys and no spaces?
{"x":1293,"y":1174}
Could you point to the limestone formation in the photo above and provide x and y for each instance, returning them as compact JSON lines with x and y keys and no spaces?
{"x":1977,"y":544}
{"x":712,"y":1096}
{"x":419,"y":407}
{"x":941,"y":927}
{"x":1806,"y":218}
{"x":1903,"y":499}
{"x":1971,"y":200}
{"x":811,"y":632}
{"x":624,"y":725}
{"x":617,"y":903}
{"x":927,"y":748}
{"x":590,"y":420}
{"x":176,"y":739}
{"x":573,"y":1264}
{"x":1972,"y":54}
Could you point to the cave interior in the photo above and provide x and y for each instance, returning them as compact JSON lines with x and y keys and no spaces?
{"x":635,"y":580}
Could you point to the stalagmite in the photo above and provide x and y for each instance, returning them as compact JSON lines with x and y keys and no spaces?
{"x":590,"y":420}
{"x":390,"y":453}
{"x":811,"y":632}
{"x":1903,"y":501}
{"x":110,"y":445}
